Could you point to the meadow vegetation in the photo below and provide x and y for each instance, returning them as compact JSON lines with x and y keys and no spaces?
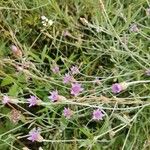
{"x":74,"y":74}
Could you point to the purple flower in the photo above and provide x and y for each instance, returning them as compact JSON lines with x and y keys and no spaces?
{"x":67,"y":113}
{"x":76,"y":89}
{"x":148,"y":11}
{"x":5,"y":100}
{"x":116,"y":88}
{"x":54,"y":96}
{"x":67,"y":78}
{"x":75,"y":70}
{"x":34,"y":135}
{"x":97,"y":115}
{"x":147,"y":72}
{"x":55,"y":69}
{"x":32,"y":101}
{"x":134,"y":28}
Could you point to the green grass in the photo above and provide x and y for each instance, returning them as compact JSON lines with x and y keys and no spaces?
{"x":101,"y":44}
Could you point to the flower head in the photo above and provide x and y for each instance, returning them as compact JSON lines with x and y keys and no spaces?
{"x":16,"y":51}
{"x":46,"y":21}
{"x":67,"y":78}
{"x":32,"y":101}
{"x":116,"y":88}
{"x":134,"y":28}
{"x":76,"y":89}
{"x":6,"y":100}
{"x":67,"y":113}
{"x":54,"y":97}
{"x":147,"y":72}
{"x":75,"y":70}
{"x":55,"y":69}
{"x":148,"y":11}
{"x":15,"y":116}
{"x":97,"y":81}
{"x":44,"y":18}
{"x":50,"y":22}
{"x":34,"y":135}
{"x":14,"y":48}
{"x":97,"y":115}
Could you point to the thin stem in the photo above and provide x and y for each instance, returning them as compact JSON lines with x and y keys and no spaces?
{"x":137,"y":82}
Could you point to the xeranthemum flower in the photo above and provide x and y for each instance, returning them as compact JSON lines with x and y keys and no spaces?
{"x":116,"y":88}
{"x":16,"y":51}
{"x":55,"y":69}
{"x":147,"y":72}
{"x":74,"y":70}
{"x":76,"y":89}
{"x":5,"y":100}
{"x":97,"y":115}
{"x":54,"y":97}
{"x":134,"y":28}
{"x":34,"y":135}
{"x":14,"y":48}
{"x":32,"y":101}
{"x":67,"y":78}
{"x":67,"y":113}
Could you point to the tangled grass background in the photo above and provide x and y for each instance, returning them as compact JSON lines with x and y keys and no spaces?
{"x":75,"y":75}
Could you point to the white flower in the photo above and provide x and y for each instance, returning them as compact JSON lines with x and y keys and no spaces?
{"x":43,"y":18}
{"x":44,"y":24}
{"x":46,"y":21}
{"x":50,"y":22}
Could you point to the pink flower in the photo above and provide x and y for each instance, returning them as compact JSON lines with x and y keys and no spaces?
{"x":54,"y":96}
{"x":67,"y":113}
{"x":97,"y":115}
{"x":147,"y":72}
{"x":76,"y":89}
{"x":67,"y":78}
{"x":134,"y":28}
{"x":116,"y":88}
{"x":34,"y":135}
{"x":75,"y":70}
{"x":55,"y":69}
{"x":5,"y":100}
{"x":16,"y":51}
{"x":32,"y":101}
{"x":14,"y":48}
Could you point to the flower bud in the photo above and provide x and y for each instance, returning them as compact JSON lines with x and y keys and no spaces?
{"x":16,"y":51}
{"x":148,"y":11}
{"x":15,"y":116}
